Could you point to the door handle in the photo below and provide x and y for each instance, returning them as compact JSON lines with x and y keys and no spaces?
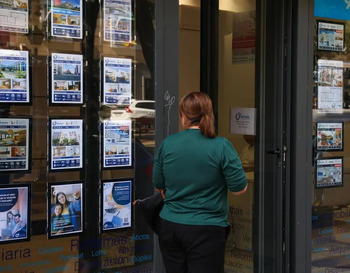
{"x":274,"y":152}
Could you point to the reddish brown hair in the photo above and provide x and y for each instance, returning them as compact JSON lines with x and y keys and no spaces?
{"x":197,"y":109}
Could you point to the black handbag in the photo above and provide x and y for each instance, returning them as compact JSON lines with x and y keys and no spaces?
{"x":150,"y":208}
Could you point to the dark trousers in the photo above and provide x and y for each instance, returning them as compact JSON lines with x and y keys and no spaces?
{"x":192,"y":248}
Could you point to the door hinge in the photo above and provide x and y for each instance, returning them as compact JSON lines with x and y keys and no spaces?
{"x":284,"y":153}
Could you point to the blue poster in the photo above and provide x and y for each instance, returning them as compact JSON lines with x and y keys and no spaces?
{"x":333,"y":9}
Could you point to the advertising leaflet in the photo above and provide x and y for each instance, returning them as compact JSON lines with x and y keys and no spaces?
{"x":66,"y":144}
{"x":66,"y":209}
{"x":117,"y":143}
{"x":330,"y":36}
{"x":14,"y":213}
{"x":116,"y":205}
{"x":117,"y":21}
{"x":329,"y":172}
{"x":330,"y":85}
{"x":14,"y":79}
{"x":14,"y":16}
{"x":14,"y":144}
{"x":329,"y":136}
{"x":117,"y":81}
{"x":66,"y":18}
{"x":67,"y":78}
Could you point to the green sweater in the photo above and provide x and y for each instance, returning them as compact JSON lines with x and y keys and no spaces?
{"x":196,"y":172}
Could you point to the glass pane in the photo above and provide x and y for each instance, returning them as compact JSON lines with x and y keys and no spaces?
{"x":237,"y":32}
{"x":330,"y":210}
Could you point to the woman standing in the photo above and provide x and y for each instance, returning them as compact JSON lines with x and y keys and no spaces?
{"x":71,"y":209}
{"x":195,"y":169}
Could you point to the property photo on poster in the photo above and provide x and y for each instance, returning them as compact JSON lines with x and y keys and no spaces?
{"x":117,"y":81}
{"x":117,"y":21}
{"x":116,"y":204}
{"x":330,"y":36}
{"x":67,"y":78}
{"x":329,"y":172}
{"x":14,"y":144}
{"x":14,"y":213}
{"x":330,"y":136}
{"x":14,"y":76}
{"x":330,"y":85}
{"x":14,"y":16}
{"x":65,"y":208}
{"x":67,"y":18}
{"x":66,"y":144}
{"x":117,"y":151}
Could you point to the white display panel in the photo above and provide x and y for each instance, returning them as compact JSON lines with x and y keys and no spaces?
{"x":117,"y":81}
{"x":329,"y":172}
{"x":117,"y":20}
{"x":14,"y":16}
{"x":65,"y":215}
{"x":14,"y":213}
{"x":67,"y":18}
{"x":14,"y":144}
{"x":330,"y":136}
{"x":67,"y":78}
{"x":330,"y":36}
{"x":117,"y":149}
{"x":66,"y":144}
{"x":14,"y":76}
{"x":116,"y":205}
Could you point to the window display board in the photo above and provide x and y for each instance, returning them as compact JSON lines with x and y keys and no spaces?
{"x":116,"y":204}
{"x":117,"y":21}
{"x":14,"y":16}
{"x":15,"y":213}
{"x":330,"y":85}
{"x":67,"y":78}
{"x":330,"y":36}
{"x":116,"y":81}
{"x":67,"y":18}
{"x":330,"y":136}
{"x":66,"y":141}
{"x":329,"y":172}
{"x":65,"y":209}
{"x":14,"y":76}
{"x":117,"y":149}
{"x":15,"y":144}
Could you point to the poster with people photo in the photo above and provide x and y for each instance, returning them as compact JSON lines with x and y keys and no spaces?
{"x":116,"y":204}
{"x":14,"y":213}
{"x":67,"y":78}
{"x":14,"y":76}
{"x":330,"y":36}
{"x":117,"y":81}
{"x":15,"y":144}
{"x":67,"y":18}
{"x":117,"y":21}
{"x":330,"y":136}
{"x":66,"y":139}
{"x":330,"y":85}
{"x":65,"y":209}
{"x":329,"y":172}
{"x":14,"y":16}
{"x":117,"y":149}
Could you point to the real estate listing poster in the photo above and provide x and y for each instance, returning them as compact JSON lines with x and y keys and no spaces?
{"x":117,"y":81}
{"x":14,"y":16}
{"x":329,"y":172}
{"x":66,"y":144}
{"x":14,"y":213}
{"x":330,"y":85}
{"x":330,"y":136}
{"x":14,"y":144}
{"x":117,"y":21}
{"x":67,"y":18}
{"x":65,"y":214}
{"x":14,"y":76}
{"x":116,"y":204}
{"x":330,"y":36}
{"x":117,"y":151}
{"x":67,"y":78}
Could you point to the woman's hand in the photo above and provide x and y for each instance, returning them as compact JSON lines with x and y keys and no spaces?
{"x":162,"y":192}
